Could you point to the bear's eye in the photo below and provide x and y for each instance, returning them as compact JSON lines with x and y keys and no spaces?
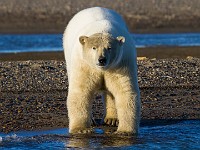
{"x":94,"y":48}
{"x":109,"y":48}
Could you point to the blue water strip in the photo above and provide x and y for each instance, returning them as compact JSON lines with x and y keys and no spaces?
{"x":15,"y":43}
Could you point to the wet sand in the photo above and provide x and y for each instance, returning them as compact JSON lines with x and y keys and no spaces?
{"x":150,"y":52}
{"x":33,"y":92}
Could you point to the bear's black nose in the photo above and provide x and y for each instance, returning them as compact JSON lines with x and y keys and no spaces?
{"x":102,"y":61}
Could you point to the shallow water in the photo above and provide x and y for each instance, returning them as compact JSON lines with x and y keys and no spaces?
{"x":181,"y":135}
{"x":13,"y":43}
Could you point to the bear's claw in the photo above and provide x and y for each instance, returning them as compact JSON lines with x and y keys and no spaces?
{"x":93,"y":122}
{"x":82,"y":131}
{"x":111,"y":121}
{"x":85,"y":131}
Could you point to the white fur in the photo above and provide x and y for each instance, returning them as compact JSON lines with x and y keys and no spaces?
{"x":120,"y":81}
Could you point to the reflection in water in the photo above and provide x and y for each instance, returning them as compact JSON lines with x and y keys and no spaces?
{"x":180,"y":135}
{"x":103,"y":141}
{"x":100,"y":141}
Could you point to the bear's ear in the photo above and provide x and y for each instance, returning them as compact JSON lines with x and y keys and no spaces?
{"x":82,"y":39}
{"x":120,"y":39}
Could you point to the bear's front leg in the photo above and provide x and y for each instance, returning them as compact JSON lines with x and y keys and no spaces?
{"x":79,"y":102}
{"x":128,"y":111}
{"x":79,"y":111}
{"x":127,"y":101}
{"x":82,"y":86}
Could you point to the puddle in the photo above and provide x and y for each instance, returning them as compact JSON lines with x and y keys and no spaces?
{"x":181,"y":135}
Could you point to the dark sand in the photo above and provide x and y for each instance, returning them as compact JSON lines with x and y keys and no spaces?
{"x":33,"y":93}
{"x":150,"y":52}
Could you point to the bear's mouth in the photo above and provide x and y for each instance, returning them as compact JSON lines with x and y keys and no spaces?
{"x":102,"y":66}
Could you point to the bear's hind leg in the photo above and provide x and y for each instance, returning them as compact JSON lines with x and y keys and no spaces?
{"x":111,"y":112}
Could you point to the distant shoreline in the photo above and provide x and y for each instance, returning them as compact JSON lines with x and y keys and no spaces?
{"x":52,"y":16}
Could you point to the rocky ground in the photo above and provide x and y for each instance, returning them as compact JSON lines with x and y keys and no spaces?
{"x":49,"y":16}
{"x":33,"y":93}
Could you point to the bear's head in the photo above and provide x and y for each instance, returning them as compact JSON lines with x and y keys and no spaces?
{"x":102,"y":50}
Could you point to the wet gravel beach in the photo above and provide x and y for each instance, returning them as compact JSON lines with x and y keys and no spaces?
{"x":33,"y":93}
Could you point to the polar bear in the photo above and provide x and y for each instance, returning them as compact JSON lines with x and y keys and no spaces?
{"x":101,"y":56}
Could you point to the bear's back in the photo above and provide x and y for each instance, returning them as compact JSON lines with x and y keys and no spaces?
{"x":91,"y":16}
